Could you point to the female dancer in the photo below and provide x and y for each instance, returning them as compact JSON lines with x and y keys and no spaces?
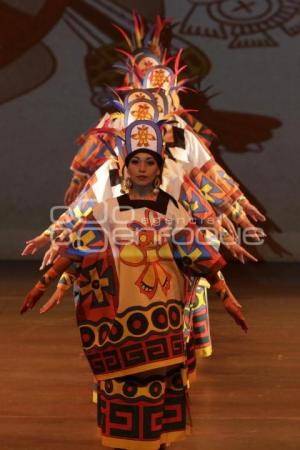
{"x":136,"y":254}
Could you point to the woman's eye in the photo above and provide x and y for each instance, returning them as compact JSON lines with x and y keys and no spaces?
{"x":134,"y":161}
{"x":150,"y":163}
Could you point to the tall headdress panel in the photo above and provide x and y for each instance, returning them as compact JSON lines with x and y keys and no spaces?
{"x":143,"y":135}
{"x":145,"y":60}
{"x":138,"y":94}
{"x":163,"y":102}
{"x":159,"y":77}
{"x":141,"y":110}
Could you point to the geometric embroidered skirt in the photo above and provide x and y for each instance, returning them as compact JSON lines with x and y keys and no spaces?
{"x":196,"y":327}
{"x":143,"y":411}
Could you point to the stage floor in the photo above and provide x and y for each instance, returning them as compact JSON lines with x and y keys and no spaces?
{"x":247,"y":396}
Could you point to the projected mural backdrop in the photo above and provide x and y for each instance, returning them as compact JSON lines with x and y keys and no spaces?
{"x":243,"y":23}
{"x":23,"y":48}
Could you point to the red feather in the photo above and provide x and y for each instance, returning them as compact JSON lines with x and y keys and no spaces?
{"x":125,"y":53}
{"x":177,"y":60}
{"x":124,"y":34}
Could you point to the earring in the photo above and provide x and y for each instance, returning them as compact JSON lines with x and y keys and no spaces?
{"x":126,"y":185}
{"x":157,"y":183}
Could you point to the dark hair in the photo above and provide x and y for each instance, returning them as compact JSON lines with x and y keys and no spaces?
{"x":156,"y":156}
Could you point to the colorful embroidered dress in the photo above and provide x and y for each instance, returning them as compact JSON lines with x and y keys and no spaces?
{"x":130,"y":314}
{"x":141,"y":310}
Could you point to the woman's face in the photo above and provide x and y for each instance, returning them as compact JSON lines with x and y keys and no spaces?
{"x":142,"y":169}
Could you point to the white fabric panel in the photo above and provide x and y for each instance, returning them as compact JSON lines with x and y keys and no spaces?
{"x":102,"y":187}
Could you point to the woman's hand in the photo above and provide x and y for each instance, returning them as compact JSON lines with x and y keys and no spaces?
{"x":253,"y":212}
{"x":237,"y":250}
{"x":31,"y":299}
{"x":235,"y":310}
{"x":54,"y":300}
{"x":231,"y":305}
{"x":35,"y":244}
{"x":71,"y":193}
{"x":228,"y":225}
{"x":50,"y":255}
{"x":253,"y":232}
{"x":241,"y":254}
{"x":75,"y":187}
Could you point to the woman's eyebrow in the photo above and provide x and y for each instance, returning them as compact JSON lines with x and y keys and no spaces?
{"x":136,"y":158}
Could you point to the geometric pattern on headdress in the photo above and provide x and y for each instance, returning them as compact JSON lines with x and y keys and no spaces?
{"x":143,"y":134}
{"x":138,"y":94}
{"x":141,"y":110}
{"x":145,"y":60}
{"x":160,"y":77}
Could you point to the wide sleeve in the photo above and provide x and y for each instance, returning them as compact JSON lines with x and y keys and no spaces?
{"x":193,"y":253}
{"x":83,"y":161}
{"x":103,"y":185}
{"x":86,"y":238}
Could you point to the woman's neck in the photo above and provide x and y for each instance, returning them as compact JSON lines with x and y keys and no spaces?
{"x":142,"y":192}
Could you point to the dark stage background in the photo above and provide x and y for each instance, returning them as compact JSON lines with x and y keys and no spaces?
{"x":56,"y":55}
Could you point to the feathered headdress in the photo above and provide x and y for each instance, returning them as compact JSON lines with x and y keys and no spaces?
{"x":141,"y":39}
{"x":163,"y":77}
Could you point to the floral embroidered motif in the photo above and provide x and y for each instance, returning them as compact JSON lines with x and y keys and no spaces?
{"x":142,"y":112}
{"x":143,"y":136}
{"x":151,"y":249}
